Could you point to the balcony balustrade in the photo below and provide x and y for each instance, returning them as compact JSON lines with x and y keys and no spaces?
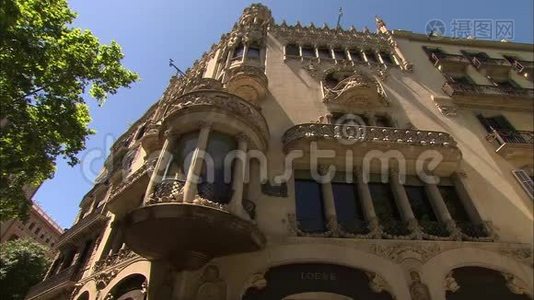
{"x":91,"y":222}
{"x":490,"y":96}
{"x":517,"y":144}
{"x":188,"y":234}
{"x":494,"y":67}
{"x":247,"y":81}
{"x":449,"y":63}
{"x":365,"y":141}
{"x":55,"y":284}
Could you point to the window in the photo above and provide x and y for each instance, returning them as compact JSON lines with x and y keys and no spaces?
{"x":47,"y":241}
{"x":349,"y":119}
{"x":31,"y":226}
{"x":181,"y":156}
{"x":502,"y":127}
{"x":37,"y":230}
{"x":324,"y":53}
{"x":339,"y":54}
{"x":384,"y":202}
{"x":42,"y":236}
{"x":348,"y":210}
{"x":140,"y":132}
{"x":383,"y":121}
{"x":220,"y":191}
{"x":309,"y":203}
{"x":387,"y":58}
{"x":308,"y":51}
{"x":420,"y":203}
{"x":356,"y":55}
{"x":238,"y":52}
{"x":526,"y":181}
{"x":292,"y":49}
{"x":371,"y":56}
{"x":453,"y":202}
{"x":253,"y":52}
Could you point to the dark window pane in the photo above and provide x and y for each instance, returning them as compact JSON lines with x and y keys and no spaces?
{"x":308,"y":51}
{"x":386,"y":57}
{"x":383,"y":201}
{"x":371,"y":57}
{"x":340,"y":54}
{"x":253,"y":52}
{"x":453,"y":202}
{"x":420,"y":203}
{"x":181,"y":156}
{"x":324,"y":53}
{"x":348,"y":210}
{"x":383,"y":121}
{"x":356,"y":55}
{"x":219,"y":145}
{"x":292,"y":49}
{"x":464,"y":79}
{"x":309,"y":204}
{"x":238,"y":51}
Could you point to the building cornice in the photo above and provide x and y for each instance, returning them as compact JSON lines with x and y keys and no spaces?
{"x":463,"y":42}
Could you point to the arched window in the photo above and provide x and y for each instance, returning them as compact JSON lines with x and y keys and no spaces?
{"x":130,"y":288}
{"x":84,"y":296}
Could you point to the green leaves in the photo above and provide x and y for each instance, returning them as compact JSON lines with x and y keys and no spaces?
{"x":45,"y":66}
{"x":23,"y":263}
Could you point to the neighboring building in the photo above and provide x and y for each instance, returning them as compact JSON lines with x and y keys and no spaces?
{"x":431,"y":199}
{"x":38,"y":226}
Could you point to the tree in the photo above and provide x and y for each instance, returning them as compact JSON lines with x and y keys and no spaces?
{"x":23,"y":263}
{"x":46,"y":65}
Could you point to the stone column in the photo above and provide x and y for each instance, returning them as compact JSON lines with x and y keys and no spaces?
{"x":190,"y":187}
{"x":401,"y":199}
{"x":460,"y":185}
{"x":328,"y":203}
{"x":366,"y":201}
{"x":163,"y":160}
{"x":238,"y":177}
{"x":440,"y":209}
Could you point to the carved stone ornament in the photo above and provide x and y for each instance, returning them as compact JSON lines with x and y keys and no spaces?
{"x":400,"y":252}
{"x":212,"y":287}
{"x":523,"y":255}
{"x":515,"y":285}
{"x":376,"y":282}
{"x":104,"y":278}
{"x":450,"y":283}
{"x":257,"y":281}
{"x":357,"y":89}
{"x":418,"y":290}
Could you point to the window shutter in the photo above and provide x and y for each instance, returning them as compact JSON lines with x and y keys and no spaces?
{"x":525,"y":181}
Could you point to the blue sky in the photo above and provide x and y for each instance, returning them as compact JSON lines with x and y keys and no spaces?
{"x":151,"y":32}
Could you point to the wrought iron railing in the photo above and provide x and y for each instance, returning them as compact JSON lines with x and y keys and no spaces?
{"x":436,"y":58}
{"x":473,"y":230}
{"x":461,"y":89}
{"x":511,"y":137}
{"x":434,"y":228}
{"x":68,"y":275}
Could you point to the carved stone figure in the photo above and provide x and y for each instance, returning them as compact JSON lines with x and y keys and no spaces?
{"x":213,"y":287}
{"x":418,"y":290}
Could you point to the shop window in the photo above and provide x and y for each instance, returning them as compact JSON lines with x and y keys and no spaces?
{"x":347,"y":203}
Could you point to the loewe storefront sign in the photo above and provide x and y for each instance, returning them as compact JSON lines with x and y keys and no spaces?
{"x":322,"y":276}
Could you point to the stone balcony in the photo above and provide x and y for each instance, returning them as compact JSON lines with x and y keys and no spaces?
{"x":187,"y":235}
{"x":368,"y":142}
{"x":54,"y":286}
{"x":494,"y":67}
{"x":95,"y":220}
{"x":449,"y":63}
{"x":489,"y":96}
{"x":514,"y":145}
{"x":524,"y":68}
{"x":248,"y":81}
